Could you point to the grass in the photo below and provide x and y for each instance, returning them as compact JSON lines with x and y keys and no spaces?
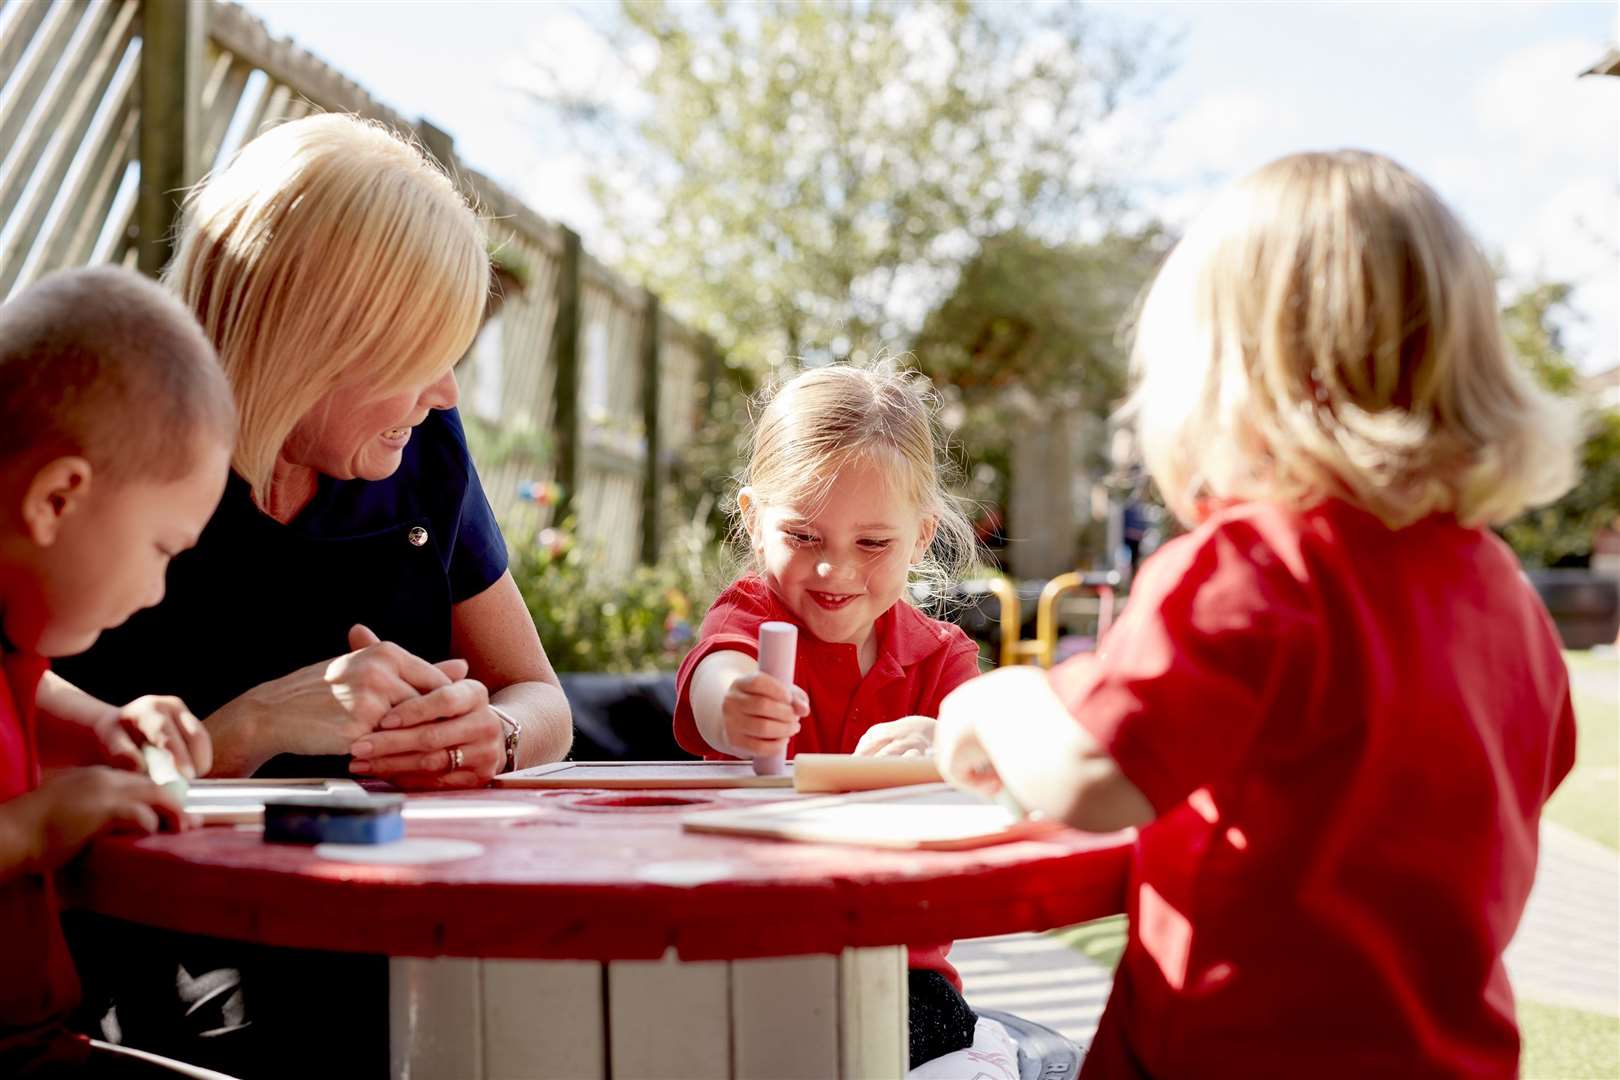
{"x":1101,"y":941}
{"x":1588,"y":801}
{"x":1559,"y":1043}
{"x":1567,"y":1044}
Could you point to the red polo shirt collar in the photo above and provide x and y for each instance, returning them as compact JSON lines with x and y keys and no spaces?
{"x":914,"y":653}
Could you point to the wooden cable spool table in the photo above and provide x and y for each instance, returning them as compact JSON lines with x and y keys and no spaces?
{"x":585,"y":934}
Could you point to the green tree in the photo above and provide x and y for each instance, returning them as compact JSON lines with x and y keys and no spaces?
{"x":814,"y":173}
{"x":1032,"y":343}
{"x":1530,"y":324}
{"x":1045,"y":319}
{"x":1562,"y":532}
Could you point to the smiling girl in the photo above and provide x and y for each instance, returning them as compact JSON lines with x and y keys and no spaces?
{"x":842,"y":506}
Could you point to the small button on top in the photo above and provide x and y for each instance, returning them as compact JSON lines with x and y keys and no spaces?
{"x":417,"y":536}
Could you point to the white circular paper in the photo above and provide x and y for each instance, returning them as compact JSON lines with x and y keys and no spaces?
{"x":412,"y":851}
{"x":685,"y":872}
{"x":467,"y":810}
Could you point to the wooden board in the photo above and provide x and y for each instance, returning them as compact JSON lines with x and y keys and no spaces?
{"x":241,"y":802}
{"x":669,"y":1020}
{"x":784,"y":1018}
{"x":830,"y":773}
{"x":643,"y":775}
{"x":541,"y":1019}
{"x":435,"y":1016}
{"x":819,"y":1017}
{"x":872,"y":993}
{"x":933,"y":817}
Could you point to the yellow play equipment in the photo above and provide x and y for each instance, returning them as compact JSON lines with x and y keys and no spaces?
{"x":1043,"y":650}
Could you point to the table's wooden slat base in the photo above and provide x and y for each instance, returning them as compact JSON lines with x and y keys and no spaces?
{"x":811,"y":1017}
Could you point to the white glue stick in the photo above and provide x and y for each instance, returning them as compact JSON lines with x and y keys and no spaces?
{"x":778,"y":644}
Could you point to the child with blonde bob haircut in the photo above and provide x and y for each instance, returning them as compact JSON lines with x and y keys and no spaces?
{"x":1335,"y":707}
{"x":842,"y":505}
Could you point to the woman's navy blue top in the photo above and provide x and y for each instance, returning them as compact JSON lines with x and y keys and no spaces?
{"x":257,"y":599}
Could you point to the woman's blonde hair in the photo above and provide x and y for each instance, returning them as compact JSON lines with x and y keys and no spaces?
{"x":811,"y":426}
{"x":329,"y":250}
{"x":1328,"y":329}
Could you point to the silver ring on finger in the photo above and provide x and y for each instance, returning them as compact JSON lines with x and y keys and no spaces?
{"x":455,"y":758}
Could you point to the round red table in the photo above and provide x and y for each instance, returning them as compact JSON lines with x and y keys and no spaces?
{"x":601,"y":939}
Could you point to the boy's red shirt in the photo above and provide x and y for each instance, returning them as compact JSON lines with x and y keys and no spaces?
{"x":919,"y":661}
{"x":38,"y":986}
{"x":1348,"y":733}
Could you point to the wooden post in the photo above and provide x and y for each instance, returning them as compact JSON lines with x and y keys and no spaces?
{"x":711,"y":374}
{"x":565,"y":363}
{"x":172,"y":34}
{"x":652,"y":471}
{"x":1042,"y":524}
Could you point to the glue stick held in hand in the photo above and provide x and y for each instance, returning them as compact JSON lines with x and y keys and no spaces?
{"x":778,"y":644}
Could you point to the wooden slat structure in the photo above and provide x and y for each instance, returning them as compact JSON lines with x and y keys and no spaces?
{"x":71,"y":147}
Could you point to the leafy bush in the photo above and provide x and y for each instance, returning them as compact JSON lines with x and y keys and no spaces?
{"x":593,"y":620}
{"x":1562,"y":532}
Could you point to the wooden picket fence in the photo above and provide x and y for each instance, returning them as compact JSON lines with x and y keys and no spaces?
{"x":109,"y":109}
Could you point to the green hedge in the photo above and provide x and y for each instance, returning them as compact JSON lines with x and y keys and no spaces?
{"x":593,"y":620}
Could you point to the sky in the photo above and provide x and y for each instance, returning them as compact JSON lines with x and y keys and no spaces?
{"x":1481,"y":99}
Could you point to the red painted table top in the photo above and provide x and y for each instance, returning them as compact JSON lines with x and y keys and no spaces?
{"x":583,"y":881}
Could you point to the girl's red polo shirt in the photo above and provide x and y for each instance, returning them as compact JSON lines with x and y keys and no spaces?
{"x":919,"y":661}
{"x":1348,"y":733}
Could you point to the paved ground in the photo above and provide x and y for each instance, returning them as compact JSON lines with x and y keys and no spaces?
{"x":1567,"y":951}
{"x":1036,"y":977}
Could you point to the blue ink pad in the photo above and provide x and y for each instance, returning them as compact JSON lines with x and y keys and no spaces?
{"x":334,"y":819}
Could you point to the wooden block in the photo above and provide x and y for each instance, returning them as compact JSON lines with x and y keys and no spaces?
{"x":643,"y":775}
{"x":872,"y":1014}
{"x":435,"y":1018}
{"x":543,"y":1019}
{"x":784,"y":1018}
{"x":823,"y":773}
{"x":669,"y":1020}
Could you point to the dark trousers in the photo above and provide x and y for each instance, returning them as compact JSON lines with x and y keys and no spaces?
{"x":938,"y":1020}
{"x":247,"y":1010}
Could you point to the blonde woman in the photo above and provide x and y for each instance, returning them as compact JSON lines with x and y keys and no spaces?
{"x":348,"y":610}
{"x":1335,"y":707}
{"x":340,"y":275}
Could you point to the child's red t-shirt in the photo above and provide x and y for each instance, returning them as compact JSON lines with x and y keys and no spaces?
{"x":38,"y":986}
{"x":1348,"y":733}
{"x":919,"y":661}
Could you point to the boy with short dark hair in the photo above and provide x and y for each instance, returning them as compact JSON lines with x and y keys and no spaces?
{"x":116,"y":426}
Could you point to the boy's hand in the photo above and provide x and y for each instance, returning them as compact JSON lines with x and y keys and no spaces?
{"x":761,"y":715}
{"x":910,"y":736}
{"x":159,"y":721}
{"x":74,"y":806}
{"x":960,"y":755}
